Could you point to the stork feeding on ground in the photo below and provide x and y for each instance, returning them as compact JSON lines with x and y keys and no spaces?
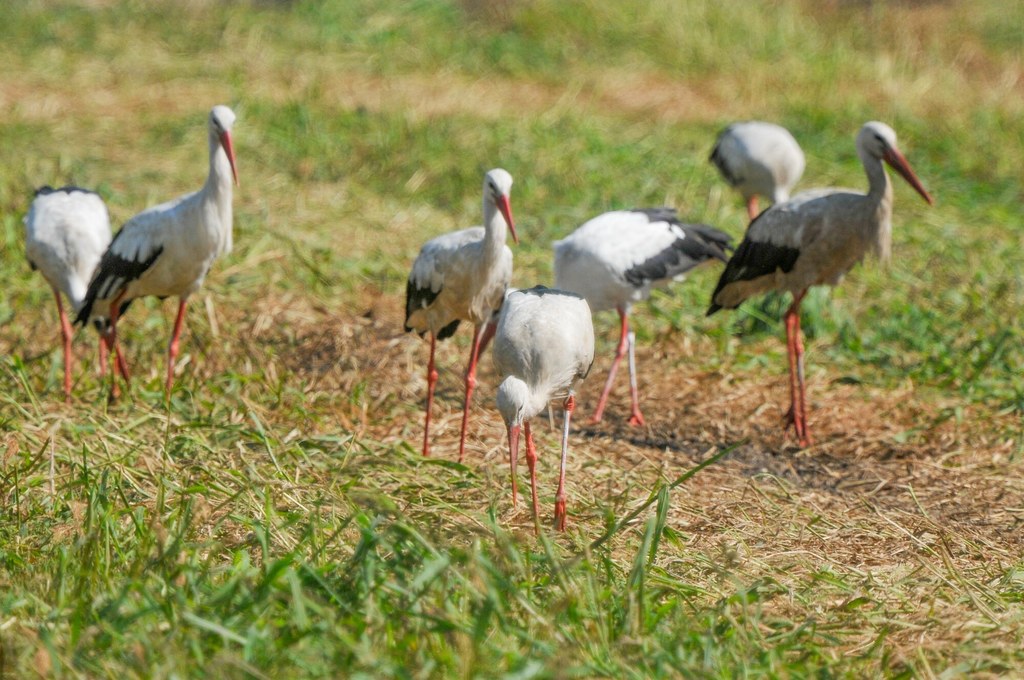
{"x":543,"y":349}
{"x":169,"y":248}
{"x":814,"y":239}
{"x":615,"y":259}
{"x":758,"y":159}
{"x":463,"y":276}
{"x":66,"y":232}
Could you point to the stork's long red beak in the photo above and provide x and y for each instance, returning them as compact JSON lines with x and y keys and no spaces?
{"x":506,"y":211}
{"x":895,"y":159}
{"x":513,"y":457}
{"x":229,"y":149}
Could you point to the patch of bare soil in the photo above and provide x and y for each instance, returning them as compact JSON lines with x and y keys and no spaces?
{"x":870,"y":444}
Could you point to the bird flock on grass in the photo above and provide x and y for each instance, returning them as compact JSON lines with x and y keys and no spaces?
{"x":543,"y":338}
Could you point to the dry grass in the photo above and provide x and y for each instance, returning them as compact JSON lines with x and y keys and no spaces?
{"x":906,"y":515}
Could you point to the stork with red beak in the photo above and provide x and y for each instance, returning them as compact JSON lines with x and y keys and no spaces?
{"x":812,"y":240}
{"x":463,"y":276}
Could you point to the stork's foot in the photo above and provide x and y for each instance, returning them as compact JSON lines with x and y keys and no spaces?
{"x":560,"y":513}
{"x":803,"y":437}
{"x":637,"y":419}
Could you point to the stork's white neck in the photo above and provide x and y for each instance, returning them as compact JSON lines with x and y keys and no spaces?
{"x":879,"y":185}
{"x":879,"y":198}
{"x":220,"y":177}
{"x":495,"y":229}
{"x":218,"y":191}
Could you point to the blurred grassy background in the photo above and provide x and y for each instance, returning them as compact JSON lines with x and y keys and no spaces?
{"x":373,"y":121}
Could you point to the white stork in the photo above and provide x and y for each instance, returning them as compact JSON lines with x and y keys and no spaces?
{"x":615,"y":259}
{"x":66,"y":232}
{"x":462,"y":276}
{"x":169,"y":248}
{"x":758,"y":159}
{"x":814,"y":239}
{"x":543,"y":349}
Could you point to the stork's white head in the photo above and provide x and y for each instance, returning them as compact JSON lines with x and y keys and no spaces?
{"x":222,"y":119}
{"x":497,"y":190}
{"x":513,"y":398}
{"x":878,"y":140}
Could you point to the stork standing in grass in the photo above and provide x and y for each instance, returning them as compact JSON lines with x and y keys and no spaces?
{"x":169,"y":248}
{"x":615,"y":259}
{"x":463,"y":276}
{"x":814,"y":239}
{"x":543,"y":349}
{"x":66,"y":232}
{"x":758,"y":159}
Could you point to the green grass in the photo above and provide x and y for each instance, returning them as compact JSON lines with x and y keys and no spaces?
{"x":278,"y":521}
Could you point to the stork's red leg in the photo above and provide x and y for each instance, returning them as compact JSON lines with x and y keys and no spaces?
{"x":513,"y":459}
{"x":635,"y":418}
{"x":531,"y":460}
{"x":66,"y":333}
{"x":803,"y":433}
{"x":797,"y":410}
{"x":115,"y":309}
{"x":570,"y":406}
{"x":489,"y":330}
{"x":107,"y":346}
{"x":752,"y":207}
{"x":103,"y":355}
{"x":791,"y":415}
{"x":474,"y":355}
{"x":431,"y":381}
{"x":619,"y":353}
{"x":172,"y":348}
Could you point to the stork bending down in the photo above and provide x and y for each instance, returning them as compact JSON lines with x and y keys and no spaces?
{"x":543,"y":348}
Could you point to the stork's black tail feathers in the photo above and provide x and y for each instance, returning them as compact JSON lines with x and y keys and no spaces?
{"x":698,"y":243}
{"x":420,"y":297}
{"x":752,"y":260}
{"x":717,"y":242}
{"x":112,"y":275}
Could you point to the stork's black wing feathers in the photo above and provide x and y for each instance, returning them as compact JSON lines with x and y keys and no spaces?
{"x":754,"y":259}
{"x":112,"y":275}
{"x":721,"y":163}
{"x":661,"y":214}
{"x":541,"y":290}
{"x":713,"y":236}
{"x":448,"y":331}
{"x":68,"y":189}
{"x":417,"y":298}
{"x":705,"y":231}
{"x":700,"y":243}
